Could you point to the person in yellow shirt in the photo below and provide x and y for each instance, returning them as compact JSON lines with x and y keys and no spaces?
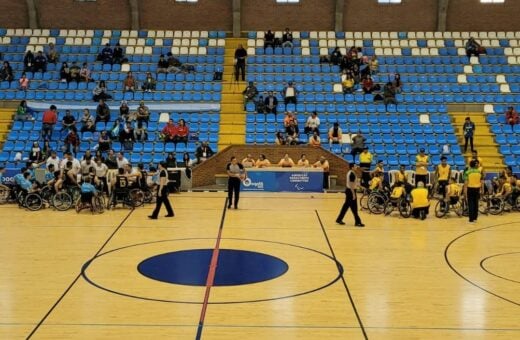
{"x":365,"y":161}
{"x":378,"y":168}
{"x":473,"y":187}
{"x":402,"y":178}
{"x":419,"y":201}
{"x":397,"y":192}
{"x":506,"y":190}
{"x":451,"y":194}
{"x":422,"y":161}
{"x":377,"y":182}
{"x":442,"y":175}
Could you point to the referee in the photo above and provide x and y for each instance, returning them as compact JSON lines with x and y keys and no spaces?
{"x":350,"y":198}
{"x":473,"y":186}
{"x":236,"y":174}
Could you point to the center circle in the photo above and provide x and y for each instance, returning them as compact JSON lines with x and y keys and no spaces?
{"x":191,"y":267}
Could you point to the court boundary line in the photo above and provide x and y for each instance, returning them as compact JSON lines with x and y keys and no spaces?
{"x":351,"y":299}
{"x":491,"y":273}
{"x":40,"y":323}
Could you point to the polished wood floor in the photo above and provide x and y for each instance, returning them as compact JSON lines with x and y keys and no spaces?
{"x":400,"y":278}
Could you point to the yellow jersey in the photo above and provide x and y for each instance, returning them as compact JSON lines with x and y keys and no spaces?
{"x":473,"y":177}
{"x":453,"y":190}
{"x":443,"y":172}
{"x":374,"y":183}
{"x":506,"y":188}
{"x":365,"y":157}
{"x":400,"y":177}
{"x":420,"y":198}
{"x":422,"y":169}
{"x":397,"y":192}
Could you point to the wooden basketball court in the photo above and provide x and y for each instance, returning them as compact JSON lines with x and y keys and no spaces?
{"x":80,"y":276}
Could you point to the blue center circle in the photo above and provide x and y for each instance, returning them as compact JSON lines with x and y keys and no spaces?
{"x":191,"y":267}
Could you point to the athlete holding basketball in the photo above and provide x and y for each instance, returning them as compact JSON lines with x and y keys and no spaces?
{"x":236,"y":173}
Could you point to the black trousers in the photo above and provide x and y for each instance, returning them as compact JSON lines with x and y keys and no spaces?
{"x":240,"y":67}
{"x":350,"y":202}
{"x":163,"y":199}
{"x":466,"y":140}
{"x":442,"y":187}
{"x":473,"y":198}
{"x":365,"y":176}
{"x":233,"y":188}
{"x":354,"y":152}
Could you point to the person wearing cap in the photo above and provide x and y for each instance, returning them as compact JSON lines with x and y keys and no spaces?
{"x":312,"y":124}
{"x":473,"y":188}
{"x":270,"y":103}
{"x":365,"y":162}
{"x":250,"y":93}
{"x":421,"y":167}
{"x":289,"y":93}
{"x":350,"y":197}
{"x":162,"y":194}
{"x":419,"y":201}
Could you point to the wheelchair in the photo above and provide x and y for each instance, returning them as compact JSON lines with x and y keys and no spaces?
{"x":94,"y":202}
{"x":377,"y":200}
{"x":30,"y":200}
{"x":491,"y":204}
{"x":402,"y":204}
{"x":129,"y":197}
{"x":455,"y":204}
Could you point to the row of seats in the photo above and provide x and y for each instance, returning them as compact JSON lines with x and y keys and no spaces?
{"x":399,"y":122}
{"x":390,"y":35}
{"x":38,"y":95}
{"x":25,"y":32}
{"x":359,"y":108}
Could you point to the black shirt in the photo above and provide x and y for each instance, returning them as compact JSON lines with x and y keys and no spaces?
{"x":240,"y":54}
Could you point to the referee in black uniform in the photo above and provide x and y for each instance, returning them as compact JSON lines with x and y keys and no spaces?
{"x":350,"y":198}
{"x":240,"y":62}
{"x":236,"y":174}
{"x":162,"y":194}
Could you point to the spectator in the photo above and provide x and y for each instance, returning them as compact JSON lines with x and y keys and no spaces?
{"x":23,"y":112}
{"x":104,"y":142}
{"x":389,"y":92}
{"x":28,"y":62}
{"x":186,"y":161}
{"x":162,"y":65}
{"x":124,"y":111}
{"x":169,"y":132}
{"x":171,"y":161}
{"x":249,"y":161}
{"x":347,"y":82}
{"x":270,"y":103}
{"x":175,"y":65}
{"x":287,"y":38}
{"x":303,"y":162}
{"x":260,"y":105}
{"x":511,"y":117}
{"x":203,"y":152}
{"x":87,"y":122}
{"x":24,"y":82}
{"x":149,"y":83}
{"x":71,"y":142}
{"x":262,"y":162}
{"x":421,"y":167}
{"x":240,"y":62}
{"x":129,"y":84}
{"x":286,"y":162}
{"x":102,"y":112}
{"x":268,"y":39}
{"x":35,"y":154}
{"x":40,"y":63}
{"x":65,"y":75}
{"x":100,"y":92}
{"x":469,"y":130}
{"x":324,"y":164}
{"x":473,"y":48}
{"x":280,"y":139}
{"x":106,"y":55}
{"x":289,"y":93}
{"x":373,"y":65}
{"x":52,"y":53}
{"x":312,"y":124}
{"x":50,"y":118}
{"x":250,"y":93}
{"x":293,"y":133}
{"x":68,"y":121}
{"x":335,"y":134}
{"x":118,"y":56}
{"x":75,"y":72}
{"x":140,"y":132}
{"x":358,"y":146}
{"x":397,"y":83}
{"x":85,"y":73}
{"x":419,"y":201}
{"x":143,"y":113}
{"x":126,"y":137}
{"x":6,"y":72}
{"x":368,"y":85}
{"x":335,"y":56}
{"x":182,"y":133}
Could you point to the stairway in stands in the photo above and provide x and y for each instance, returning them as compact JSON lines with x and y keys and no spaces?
{"x":232,"y":114}
{"x":6,"y":119}
{"x":484,"y":141}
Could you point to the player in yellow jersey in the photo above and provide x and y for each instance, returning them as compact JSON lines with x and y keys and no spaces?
{"x":442,"y":175}
{"x":422,"y":161}
{"x":377,"y":182}
{"x":419,"y":201}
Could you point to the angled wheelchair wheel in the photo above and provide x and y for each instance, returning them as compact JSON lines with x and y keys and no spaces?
{"x":389,"y":207}
{"x":78,"y":206}
{"x":135,"y":198}
{"x":459,"y":208}
{"x":440,"y":209}
{"x":33,"y":202}
{"x":4,"y":194}
{"x":99,"y":204}
{"x":376,"y":204}
{"x":496,"y":205}
{"x":405,"y":208}
{"x":62,"y":201}
{"x":483,"y":205}
{"x":464,"y":207}
{"x":75,"y":193}
{"x":363,"y":201}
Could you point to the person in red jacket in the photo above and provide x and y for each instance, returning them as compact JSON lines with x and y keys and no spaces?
{"x":169,"y":132}
{"x":182,"y":133}
{"x":50,"y":118}
{"x":511,"y":117}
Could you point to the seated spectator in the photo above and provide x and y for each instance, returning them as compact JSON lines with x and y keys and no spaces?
{"x":335,"y":134}
{"x":23,"y":112}
{"x":100,"y":92}
{"x":374,"y":65}
{"x":347,"y":82}
{"x":28,"y":62}
{"x":74,"y":72}
{"x":162,"y":65}
{"x":315,"y":140}
{"x":419,"y":201}
{"x":303,"y":162}
{"x":87,"y":122}
{"x":6,"y":72}
{"x":270,"y":103}
{"x":187,"y":161}
{"x":52,"y":53}
{"x":129,"y":84}
{"x":286,"y":161}
{"x":24,"y":82}
{"x":268,"y":39}
{"x":68,"y":121}
{"x":293,"y":133}
{"x":182,"y":133}
{"x":124,"y":111}
{"x":149,"y":83}
{"x":40,"y":63}
{"x":473,"y":48}
{"x":262,"y":162}
{"x":169,"y":132}
{"x":171,"y":160}
{"x":106,"y":55}
{"x":35,"y":154}
{"x":511,"y":117}
{"x":140,"y":132}
{"x":397,"y":83}
{"x":248,"y":161}
{"x":368,"y":85}
{"x":250,"y":93}
{"x":203,"y":152}
{"x":289,"y":117}
{"x":65,"y":73}
{"x":119,"y":55}
{"x":85,"y":73}
{"x":102,"y":112}
{"x":260,"y":105}
{"x":143,"y":113}
{"x":312,"y":125}
{"x":287,"y":38}
{"x":324,"y":164}
{"x":289,"y":93}
{"x":335,"y":56}
{"x":389,"y":92}
{"x":175,"y":66}
{"x":126,"y":136}
{"x":104,"y":142}
{"x":280,"y":139}
{"x":72,"y":141}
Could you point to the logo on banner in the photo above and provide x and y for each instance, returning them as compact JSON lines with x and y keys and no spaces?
{"x":249,"y":183}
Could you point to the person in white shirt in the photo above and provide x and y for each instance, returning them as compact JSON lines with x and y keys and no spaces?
{"x":101,"y":170}
{"x":289,"y":93}
{"x":313,"y":124}
{"x":54,"y":160}
{"x":76,"y":166}
{"x":121,"y":160}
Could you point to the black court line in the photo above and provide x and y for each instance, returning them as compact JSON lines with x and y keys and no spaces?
{"x":76,"y":279}
{"x":491,"y":273}
{"x":340,"y":269}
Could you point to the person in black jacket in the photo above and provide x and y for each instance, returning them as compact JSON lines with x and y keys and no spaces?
{"x":240,"y":62}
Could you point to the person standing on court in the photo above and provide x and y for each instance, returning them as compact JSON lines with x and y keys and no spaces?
{"x":162,"y":194}
{"x":350,"y":198}
{"x":469,"y":130}
{"x":365,"y":161}
{"x":240,"y":62}
{"x":473,"y":187}
{"x":236,"y":174}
